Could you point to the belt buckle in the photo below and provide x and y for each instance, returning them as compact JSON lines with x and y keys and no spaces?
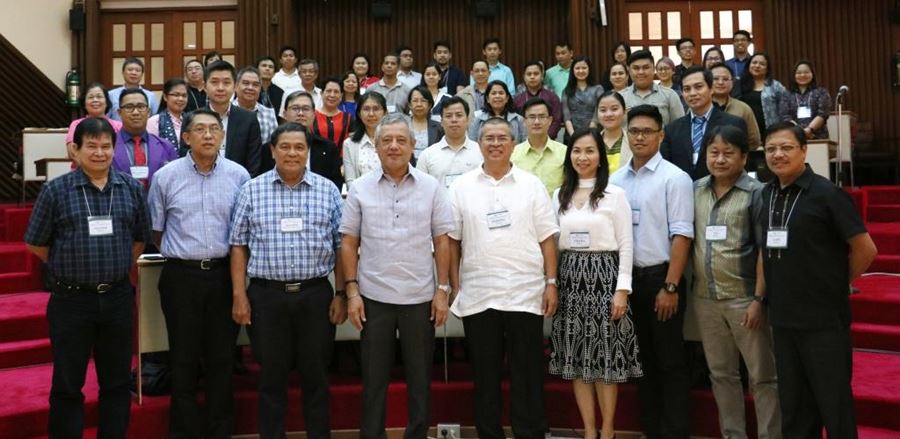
{"x":292,"y":288}
{"x":103,"y":288}
{"x":205,"y":264}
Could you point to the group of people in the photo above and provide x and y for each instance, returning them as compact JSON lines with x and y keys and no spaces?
{"x":459,"y":199}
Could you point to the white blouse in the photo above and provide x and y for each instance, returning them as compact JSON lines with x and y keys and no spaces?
{"x":606,"y":227}
{"x":359,"y":158}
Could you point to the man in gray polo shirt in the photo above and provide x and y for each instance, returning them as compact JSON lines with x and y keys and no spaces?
{"x":394,"y":218}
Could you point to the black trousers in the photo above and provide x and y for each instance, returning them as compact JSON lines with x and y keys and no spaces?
{"x":197,"y":307}
{"x":287,"y":330}
{"x":664,"y":388}
{"x":377,"y":342}
{"x":81,"y":324}
{"x":521,"y":336}
{"x":814,"y":370}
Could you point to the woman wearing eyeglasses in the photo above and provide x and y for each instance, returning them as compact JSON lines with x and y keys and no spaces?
{"x":167,"y":123}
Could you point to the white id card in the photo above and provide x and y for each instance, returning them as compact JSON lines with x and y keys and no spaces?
{"x":579,"y":239}
{"x":498,"y":219}
{"x":100,"y":225}
{"x":804,"y":112}
{"x":449,"y":179}
{"x":635,"y":217}
{"x":392,"y":108}
{"x":716,"y":232}
{"x":140,"y":172}
{"x":291,"y":225}
{"x":777,"y":238}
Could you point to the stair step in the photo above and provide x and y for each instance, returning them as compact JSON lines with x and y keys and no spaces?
{"x":25,"y":353}
{"x":883,"y":213}
{"x":878,"y":300}
{"x":866,"y":432}
{"x":15,"y":223}
{"x":23,"y":316}
{"x":885,"y":264}
{"x":877,"y":195}
{"x":876,"y":336}
{"x":20,"y":282}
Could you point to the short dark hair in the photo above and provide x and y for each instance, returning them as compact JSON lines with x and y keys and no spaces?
{"x":244,"y":71}
{"x":453,"y":101}
{"x":402,"y":48}
{"x":742,"y":32}
{"x":83,"y":98}
{"x":167,"y":88}
{"x":208,"y":56}
{"x":496,"y":121}
{"x":286,"y":48}
{"x":682,"y":41}
{"x":624,"y":45}
{"x":189,"y":118}
{"x":307,"y":61}
{"x":534,"y":62}
{"x":731,"y":135}
{"x":288,"y":127}
{"x":638,"y":55}
{"x":132,"y":60}
{"x":133,"y":91}
{"x":298,"y":94}
{"x":393,"y":54}
{"x":794,"y":129}
{"x":441,"y":43}
{"x":219,"y":66}
{"x":720,"y":65}
{"x":646,"y":110}
{"x":423,"y":90}
{"x":707,"y":74}
{"x":265,"y":58}
{"x":536,"y":101}
{"x":510,"y":105}
{"x":93,"y":127}
{"x":489,"y":41}
{"x":563,"y":43}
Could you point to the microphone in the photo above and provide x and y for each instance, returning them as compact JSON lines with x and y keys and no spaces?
{"x":843,"y":90}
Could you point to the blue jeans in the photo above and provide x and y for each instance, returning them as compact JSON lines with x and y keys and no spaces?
{"x":82,"y":324}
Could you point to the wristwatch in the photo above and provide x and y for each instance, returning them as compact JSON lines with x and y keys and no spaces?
{"x":670,"y":287}
{"x":551,"y":281}
{"x":340,"y":293}
{"x":761,"y":299}
{"x":445,"y":288}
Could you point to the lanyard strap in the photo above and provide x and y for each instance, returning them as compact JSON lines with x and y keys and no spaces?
{"x":784,"y":220}
{"x":111,"y":193}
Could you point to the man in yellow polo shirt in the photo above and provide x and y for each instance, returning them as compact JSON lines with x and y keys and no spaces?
{"x":539,"y":154}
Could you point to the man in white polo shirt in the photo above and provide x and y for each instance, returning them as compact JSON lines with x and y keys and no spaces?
{"x":456,"y":153}
{"x":505,"y":241}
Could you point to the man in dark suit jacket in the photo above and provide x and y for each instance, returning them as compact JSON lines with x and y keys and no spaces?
{"x":684,"y":139}
{"x":271,"y":94}
{"x":242,"y":136}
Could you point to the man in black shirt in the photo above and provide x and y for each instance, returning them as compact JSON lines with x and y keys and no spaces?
{"x":815,"y":245}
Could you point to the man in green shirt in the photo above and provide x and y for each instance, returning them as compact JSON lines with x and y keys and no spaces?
{"x":557,"y":76}
{"x":539,"y":154}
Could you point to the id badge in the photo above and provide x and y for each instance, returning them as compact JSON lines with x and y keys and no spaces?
{"x":449,"y":179}
{"x":635,"y":217}
{"x":140,"y":172}
{"x":716,"y":232}
{"x":392,"y":108}
{"x":777,"y":238}
{"x":100,"y":225}
{"x":291,"y":225}
{"x":579,"y":239}
{"x":498,"y":219}
{"x":804,"y":112}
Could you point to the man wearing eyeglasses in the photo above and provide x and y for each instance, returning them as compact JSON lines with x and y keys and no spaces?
{"x":539,"y":154}
{"x":242,"y":142}
{"x":139,"y":153}
{"x":191,"y":202}
{"x":662,"y":215}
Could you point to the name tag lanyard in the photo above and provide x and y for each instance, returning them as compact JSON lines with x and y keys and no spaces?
{"x":91,"y":217}
{"x":785,"y":220}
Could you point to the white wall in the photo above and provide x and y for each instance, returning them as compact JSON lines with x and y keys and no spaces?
{"x":40,"y":30}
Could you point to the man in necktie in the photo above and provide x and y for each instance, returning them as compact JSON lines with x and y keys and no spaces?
{"x":682,"y":144}
{"x":139,"y":153}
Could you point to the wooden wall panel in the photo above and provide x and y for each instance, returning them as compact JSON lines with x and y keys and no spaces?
{"x":30,"y":99}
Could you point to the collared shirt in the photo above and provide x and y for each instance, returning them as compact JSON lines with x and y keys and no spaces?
{"x":501,"y":268}
{"x":726,"y":268}
{"x":59,"y":220}
{"x":738,"y":108}
{"x":396,"y":95}
{"x":359,"y":158}
{"x":807,"y":284}
{"x":500,"y":72}
{"x":411,"y":79}
{"x":263,"y":206}
{"x":266,"y":118}
{"x":738,"y":66}
{"x":289,"y":82}
{"x":662,"y":204}
{"x":194,"y":209}
{"x":116,"y":93}
{"x":556,"y":112}
{"x":445,"y":164}
{"x":396,"y":224}
{"x":546,"y":165}
{"x":556,"y":78}
{"x":663,"y":98}
{"x":581,"y":108}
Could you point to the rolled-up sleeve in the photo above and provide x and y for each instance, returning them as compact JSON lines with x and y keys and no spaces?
{"x":680,"y":207}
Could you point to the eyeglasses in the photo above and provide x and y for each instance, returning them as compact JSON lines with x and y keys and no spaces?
{"x":131,"y":108}
{"x":641,"y":132}
{"x":537,"y":117}
{"x":300,"y":108}
{"x":212,"y":129}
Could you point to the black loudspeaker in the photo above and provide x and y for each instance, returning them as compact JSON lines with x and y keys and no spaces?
{"x":382,"y":9}
{"x":76,"y":20}
{"x":487,"y":8}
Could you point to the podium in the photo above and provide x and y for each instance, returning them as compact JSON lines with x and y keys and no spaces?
{"x":819,"y":154}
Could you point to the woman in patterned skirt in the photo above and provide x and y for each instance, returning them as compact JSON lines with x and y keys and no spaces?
{"x":593,"y":338}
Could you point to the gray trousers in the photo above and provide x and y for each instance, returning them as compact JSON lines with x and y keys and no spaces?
{"x":724,"y":342}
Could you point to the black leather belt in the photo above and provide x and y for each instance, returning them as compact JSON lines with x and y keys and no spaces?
{"x":649,"y":271}
{"x":98,"y":288}
{"x":288,"y":286}
{"x":202,"y":264}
